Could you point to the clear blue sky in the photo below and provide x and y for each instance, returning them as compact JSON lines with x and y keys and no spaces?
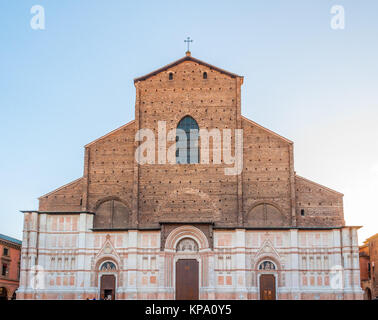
{"x":65,"y":86}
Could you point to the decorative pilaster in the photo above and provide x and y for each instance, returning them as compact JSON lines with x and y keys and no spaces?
{"x":240,"y":265}
{"x":294,"y":264}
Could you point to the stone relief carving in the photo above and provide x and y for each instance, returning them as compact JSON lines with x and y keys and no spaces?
{"x":267,"y":266}
{"x":187,"y":245}
{"x":108,"y":266}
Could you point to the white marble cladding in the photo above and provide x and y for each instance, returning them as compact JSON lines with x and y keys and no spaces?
{"x":68,"y":256}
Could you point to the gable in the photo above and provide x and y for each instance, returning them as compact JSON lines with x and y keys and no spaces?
{"x":266,"y":131}
{"x":65,"y":198}
{"x":182,"y":60}
{"x":317,"y":205}
{"x":111,"y":134}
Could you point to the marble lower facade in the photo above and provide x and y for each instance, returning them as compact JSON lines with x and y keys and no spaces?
{"x":63,"y":258}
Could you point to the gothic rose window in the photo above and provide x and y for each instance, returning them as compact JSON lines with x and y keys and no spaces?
{"x":187,"y":141}
{"x":188,"y":245}
{"x":267,"y":265}
{"x":108,"y":266}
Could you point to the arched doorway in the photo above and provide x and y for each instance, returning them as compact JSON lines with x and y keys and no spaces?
{"x":267,"y":281}
{"x":107,"y":281}
{"x":187,"y":279}
{"x":187,"y":243}
{"x":187,"y":270}
{"x":3,"y":293}
{"x":367,"y":295}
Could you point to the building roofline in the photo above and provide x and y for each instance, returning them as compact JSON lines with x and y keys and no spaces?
{"x":109,"y":133}
{"x":267,"y":130}
{"x":60,"y":188}
{"x":6,"y":238}
{"x":188,"y":57}
{"x":57,"y":212}
{"x":320,"y":185}
{"x":371,"y":238}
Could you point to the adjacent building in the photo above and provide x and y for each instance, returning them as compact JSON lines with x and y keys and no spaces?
{"x":10,"y":250}
{"x":190,"y":229}
{"x":368,"y":267}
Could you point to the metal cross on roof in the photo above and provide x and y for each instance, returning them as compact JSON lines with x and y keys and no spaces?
{"x":188,"y":41}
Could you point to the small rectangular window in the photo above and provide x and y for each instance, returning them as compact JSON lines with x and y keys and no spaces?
{"x":302,"y":212}
{"x":4,"y":269}
{"x":5,"y":252}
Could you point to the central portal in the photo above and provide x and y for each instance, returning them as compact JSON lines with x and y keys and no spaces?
{"x":267,"y":287}
{"x":187,"y":286}
{"x":107,"y":290}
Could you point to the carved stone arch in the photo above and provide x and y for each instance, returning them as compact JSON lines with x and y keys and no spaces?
{"x":267,"y":257}
{"x":265,"y":213}
{"x":99,"y":261}
{"x":267,"y":265}
{"x":279,"y":267}
{"x":111,"y":213}
{"x":183,"y":232}
{"x":104,"y":258}
{"x":99,"y":274}
{"x":187,"y":244}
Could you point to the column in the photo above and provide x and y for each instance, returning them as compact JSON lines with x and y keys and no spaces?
{"x":132,"y":286}
{"x":240,"y":264}
{"x":294,"y":282}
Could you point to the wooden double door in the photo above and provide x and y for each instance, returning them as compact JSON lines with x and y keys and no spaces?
{"x":267,"y":287}
{"x":107,"y":288}
{"x":187,"y":279}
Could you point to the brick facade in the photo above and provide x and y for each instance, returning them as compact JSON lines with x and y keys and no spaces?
{"x":127,"y":201}
{"x":368,"y":267}
{"x":10,"y":256}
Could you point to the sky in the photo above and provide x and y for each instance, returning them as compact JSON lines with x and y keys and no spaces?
{"x":66,"y":85}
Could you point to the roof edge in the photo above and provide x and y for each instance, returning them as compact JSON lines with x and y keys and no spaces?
{"x":9,"y":239}
{"x":60,"y":188}
{"x":56,"y":212}
{"x":318,"y":184}
{"x":371,"y":238}
{"x":267,"y":130}
{"x":109,"y":133}
{"x":186,"y":58}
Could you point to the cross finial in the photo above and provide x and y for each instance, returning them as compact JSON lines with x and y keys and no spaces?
{"x":188,"y":41}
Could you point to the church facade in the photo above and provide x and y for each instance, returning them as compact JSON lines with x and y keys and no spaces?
{"x":187,"y":229}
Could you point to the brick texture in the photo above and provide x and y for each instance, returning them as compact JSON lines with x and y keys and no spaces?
{"x":266,"y":194}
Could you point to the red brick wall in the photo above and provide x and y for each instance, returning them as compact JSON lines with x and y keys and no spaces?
{"x":11,"y":280}
{"x":266,"y":174}
{"x":110,"y":167}
{"x":364,"y":268}
{"x":66,"y":198}
{"x":267,"y":187}
{"x":322,"y":206}
{"x":187,"y":192}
